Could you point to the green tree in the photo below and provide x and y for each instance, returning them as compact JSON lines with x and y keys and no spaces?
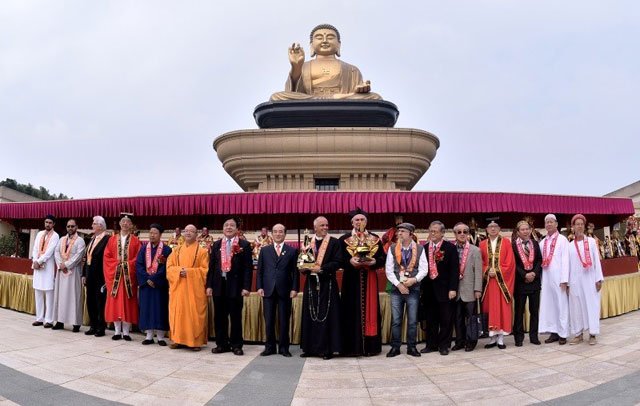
{"x":41,"y":192}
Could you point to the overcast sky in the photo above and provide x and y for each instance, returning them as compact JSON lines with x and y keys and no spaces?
{"x":125,"y":98}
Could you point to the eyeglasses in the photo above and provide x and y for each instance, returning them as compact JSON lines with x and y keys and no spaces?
{"x":462,"y":232}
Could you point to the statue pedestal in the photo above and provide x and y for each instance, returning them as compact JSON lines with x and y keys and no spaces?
{"x":351,"y":158}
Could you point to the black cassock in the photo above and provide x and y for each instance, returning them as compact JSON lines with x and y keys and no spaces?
{"x":355,"y":289}
{"x":321,"y":308}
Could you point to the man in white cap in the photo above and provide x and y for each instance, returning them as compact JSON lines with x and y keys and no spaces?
{"x":554,"y":301}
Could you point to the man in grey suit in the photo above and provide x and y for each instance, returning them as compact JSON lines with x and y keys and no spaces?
{"x":470,"y":287}
{"x":277,"y":282}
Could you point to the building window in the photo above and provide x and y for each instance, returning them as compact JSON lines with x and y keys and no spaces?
{"x":327,"y":184}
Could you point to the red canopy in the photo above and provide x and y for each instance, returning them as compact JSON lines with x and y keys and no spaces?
{"x":261,"y":208}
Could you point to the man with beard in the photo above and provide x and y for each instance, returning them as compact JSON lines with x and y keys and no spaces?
{"x":321,"y":299}
{"x":554,"y":299}
{"x":362,"y":254}
{"x":43,"y":265}
{"x":67,"y":299}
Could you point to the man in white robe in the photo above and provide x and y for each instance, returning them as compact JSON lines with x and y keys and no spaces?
{"x":554,"y":299}
{"x":43,"y":266}
{"x":585,"y":282}
{"x":67,"y":299}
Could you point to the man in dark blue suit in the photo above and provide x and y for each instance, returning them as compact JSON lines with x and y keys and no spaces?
{"x":277,"y":283}
{"x":229,"y":281}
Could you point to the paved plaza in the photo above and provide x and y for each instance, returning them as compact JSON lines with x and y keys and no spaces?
{"x":40,"y":366}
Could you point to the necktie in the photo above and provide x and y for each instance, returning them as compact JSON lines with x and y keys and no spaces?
{"x":406,"y":257}
{"x":526,"y":248}
{"x":228,"y":247}
{"x":278,"y":249}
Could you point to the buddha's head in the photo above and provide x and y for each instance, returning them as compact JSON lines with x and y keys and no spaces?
{"x":325,"y":40}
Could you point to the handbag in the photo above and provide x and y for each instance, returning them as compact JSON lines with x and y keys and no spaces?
{"x":477,"y":324}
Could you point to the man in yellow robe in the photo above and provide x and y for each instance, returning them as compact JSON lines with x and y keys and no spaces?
{"x":187,"y":268}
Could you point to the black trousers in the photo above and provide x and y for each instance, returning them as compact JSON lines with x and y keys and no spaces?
{"x":283,"y":304}
{"x":95,"y":306}
{"x":225,"y":308}
{"x":461,"y":315}
{"x":519,"y":301}
{"x":438,"y":319}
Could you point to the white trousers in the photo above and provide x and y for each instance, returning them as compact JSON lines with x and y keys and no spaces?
{"x":44,"y":305}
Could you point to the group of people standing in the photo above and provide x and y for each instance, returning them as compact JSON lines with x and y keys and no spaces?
{"x":442,"y":283}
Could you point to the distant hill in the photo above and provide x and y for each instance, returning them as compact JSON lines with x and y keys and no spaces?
{"x":41,"y":192}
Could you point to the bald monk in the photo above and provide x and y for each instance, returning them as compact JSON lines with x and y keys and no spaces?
{"x":187,"y":268}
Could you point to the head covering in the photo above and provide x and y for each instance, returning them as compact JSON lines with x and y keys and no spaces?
{"x":493,"y":223}
{"x":407,"y":226}
{"x":157,"y":227}
{"x":578,"y":216}
{"x":50,"y":217}
{"x":521,"y":222}
{"x":124,"y":215}
{"x":550,"y":217}
{"x":357,"y":211}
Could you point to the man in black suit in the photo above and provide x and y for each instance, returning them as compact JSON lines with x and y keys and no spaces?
{"x":439,"y":289}
{"x":277,"y":282}
{"x":229,"y":281}
{"x":93,"y":277}
{"x":528,"y":283}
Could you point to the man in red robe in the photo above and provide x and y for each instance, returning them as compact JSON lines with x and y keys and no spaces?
{"x":119,"y":266}
{"x":499,"y":275}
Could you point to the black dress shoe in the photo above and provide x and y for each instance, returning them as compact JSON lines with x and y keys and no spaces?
{"x":490,"y":345}
{"x":469,"y":348}
{"x":413,"y":351}
{"x":238,"y":351}
{"x":427,"y":350}
{"x":48,"y":325}
{"x":518,"y":343}
{"x":220,"y":350}
{"x":562,"y":341}
{"x":535,"y":342}
{"x":393,"y":352}
{"x":76,"y":329}
{"x":327,"y":357}
{"x":162,"y":343}
{"x":444,"y":351}
{"x":90,"y":332}
{"x":285,"y":353}
{"x":502,"y":346}
{"x":148,"y":342}
{"x":457,"y":347}
{"x":58,"y":326}
{"x":304,"y":355}
{"x":126,"y":338}
{"x":116,"y":337}
{"x":552,"y":338}
{"x":266,"y":353}
{"x":37,"y":323}
{"x":100,"y":333}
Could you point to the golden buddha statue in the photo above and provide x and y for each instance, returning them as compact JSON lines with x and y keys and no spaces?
{"x":325,"y":77}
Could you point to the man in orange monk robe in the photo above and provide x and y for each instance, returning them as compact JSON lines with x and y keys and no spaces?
{"x":499,"y":268}
{"x":187,"y":268}
{"x":119,"y":265}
